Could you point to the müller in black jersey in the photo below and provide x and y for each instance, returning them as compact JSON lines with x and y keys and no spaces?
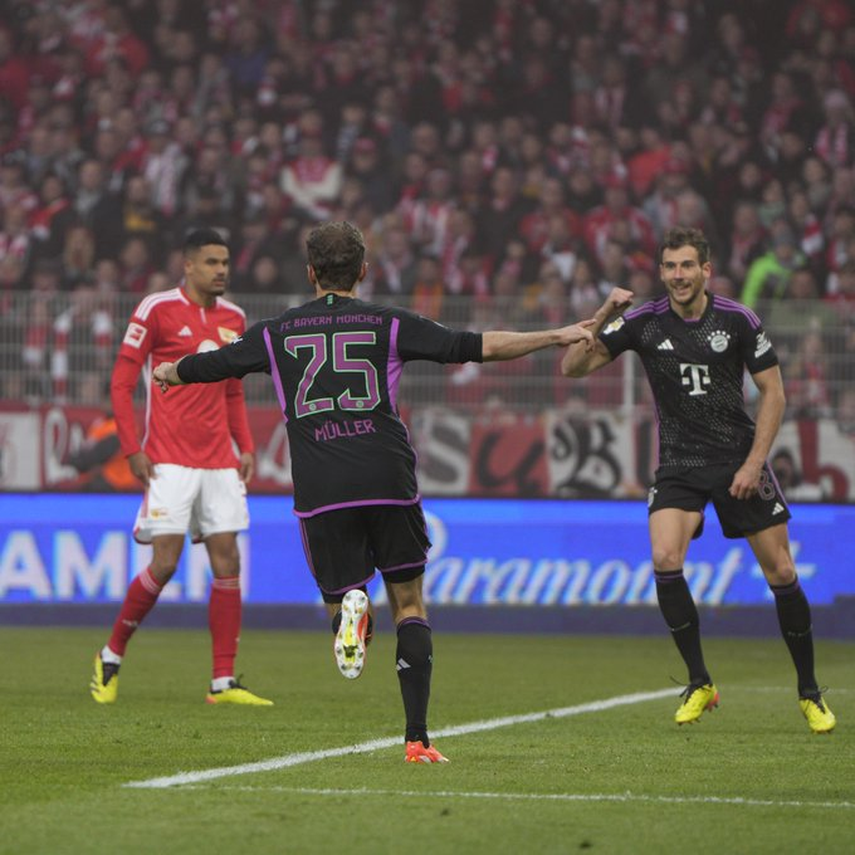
{"x":336,"y":363}
{"x":695,"y":368}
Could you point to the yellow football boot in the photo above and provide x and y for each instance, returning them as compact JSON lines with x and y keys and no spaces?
{"x":237,"y":694}
{"x":104,"y":686}
{"x":819,"y":717}
{"x":697,"y":699}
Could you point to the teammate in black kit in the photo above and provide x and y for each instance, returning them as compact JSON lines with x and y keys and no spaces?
{"x":336,"y":363}
{"x":695,"y":346}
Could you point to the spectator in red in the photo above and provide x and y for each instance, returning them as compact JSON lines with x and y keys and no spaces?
{"x":460,"y":240}
{"x":35,"y":110}
{"x":14,"y":72}
{"x":784,"y":106}
{"x":807,"y":16}
{"x":843,"y":298}
{"x":648,"y":161}
{"x":835,"y":141}
{"x":15,"y":236}
{"x":116,"y":42}
{"x":312,"y":180}
{"x":807,"y":381}
{"x":14,"y":188}
{"x":34,"y":353}
{"x":598,"y":224}
{"x":427,"y":219}
{"x":839,"y":244}
{"x":562,"y":245}
{"x":534,"y":226}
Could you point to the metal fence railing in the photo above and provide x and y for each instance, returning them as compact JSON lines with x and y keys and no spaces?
{"x":61,"y":347}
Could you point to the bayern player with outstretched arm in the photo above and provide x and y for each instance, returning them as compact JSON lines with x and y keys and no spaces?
{"x":696,"y":347}
{"x":336,"y":363}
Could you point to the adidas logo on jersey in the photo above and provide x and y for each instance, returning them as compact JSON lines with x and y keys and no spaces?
{"x":666,"y":345}
{"x":778,"y":509}
{"x":185,"y":331}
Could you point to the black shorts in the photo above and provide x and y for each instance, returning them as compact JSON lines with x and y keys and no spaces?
{"x":691,"y":489}
{"x":345,"y":547}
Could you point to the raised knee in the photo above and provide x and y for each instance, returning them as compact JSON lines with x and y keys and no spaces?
{"x":667,"y":559}
{"x":780,"y":574}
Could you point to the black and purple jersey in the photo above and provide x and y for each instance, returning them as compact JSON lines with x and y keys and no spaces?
{"x":696,"y":370}
{"x":336,"y":363}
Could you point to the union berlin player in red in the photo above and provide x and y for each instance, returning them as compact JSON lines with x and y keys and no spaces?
{"x":193,"y":480}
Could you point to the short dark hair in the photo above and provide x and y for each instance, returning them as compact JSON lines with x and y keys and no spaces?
{"x":336,"y":251}
{"x":679,"y":237}
{"x":195,"y":240}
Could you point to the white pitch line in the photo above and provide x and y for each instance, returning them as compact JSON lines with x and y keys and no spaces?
{"x":377,"y":744}
{"x":545,"y":797}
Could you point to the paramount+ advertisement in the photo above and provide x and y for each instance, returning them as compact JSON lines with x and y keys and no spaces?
{"x":77,"y":548}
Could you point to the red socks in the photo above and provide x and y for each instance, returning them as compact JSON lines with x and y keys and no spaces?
{"x":139,"y":601}
{"x":224,"y":619}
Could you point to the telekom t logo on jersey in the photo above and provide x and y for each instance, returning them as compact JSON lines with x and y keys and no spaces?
{"x":696,"y":377}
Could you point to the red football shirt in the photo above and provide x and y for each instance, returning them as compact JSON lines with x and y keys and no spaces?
{"x":189,"y":425}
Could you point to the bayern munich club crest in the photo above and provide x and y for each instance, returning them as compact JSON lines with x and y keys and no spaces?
{"x":719,"y":341}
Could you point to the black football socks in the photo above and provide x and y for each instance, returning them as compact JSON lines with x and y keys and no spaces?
{"x":795,"y":622}
{"x":414,"y":661}
{"x":681,"y":615}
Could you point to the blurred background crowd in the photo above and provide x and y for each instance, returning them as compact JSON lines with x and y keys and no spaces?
{"x":509,"y":161}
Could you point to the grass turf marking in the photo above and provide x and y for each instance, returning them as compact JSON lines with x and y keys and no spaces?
{"x":548,"y":797}
{"x":183,"y":778}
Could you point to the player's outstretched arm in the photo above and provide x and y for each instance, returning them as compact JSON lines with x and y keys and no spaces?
{"x":499,"y":345}
{"x":580,"y":361}
{"x":166,"y":375}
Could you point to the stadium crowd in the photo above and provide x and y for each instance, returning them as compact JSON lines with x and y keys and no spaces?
{"x":526,"y":154}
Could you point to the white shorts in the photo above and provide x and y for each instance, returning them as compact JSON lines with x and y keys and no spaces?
{"x":199,"y":501}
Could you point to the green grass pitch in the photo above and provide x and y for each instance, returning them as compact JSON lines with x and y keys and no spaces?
{"x":749,"y":778}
